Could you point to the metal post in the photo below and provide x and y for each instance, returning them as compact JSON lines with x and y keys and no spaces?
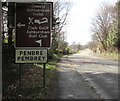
{"x":22,"y":72}
{"x":20,"y":75}
{"x":44,"y":70}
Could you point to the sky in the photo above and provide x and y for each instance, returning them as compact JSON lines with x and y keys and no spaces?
{"x":79,"y":20}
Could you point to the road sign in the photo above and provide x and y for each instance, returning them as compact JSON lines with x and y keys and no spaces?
{"x":33,"y":24}
{"x":31,"y":56}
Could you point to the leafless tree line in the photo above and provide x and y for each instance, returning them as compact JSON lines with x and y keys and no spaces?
{"x":61,"y":13}
{"x":105,"y":28}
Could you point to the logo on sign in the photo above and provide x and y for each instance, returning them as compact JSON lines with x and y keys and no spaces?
{"x":33,"y":24}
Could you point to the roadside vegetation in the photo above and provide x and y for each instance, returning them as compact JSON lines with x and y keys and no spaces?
{"x":110,"y":55}
{"x":31,"y":87}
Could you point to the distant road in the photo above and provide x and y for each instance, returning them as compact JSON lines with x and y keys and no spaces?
{"x":101,"y":74}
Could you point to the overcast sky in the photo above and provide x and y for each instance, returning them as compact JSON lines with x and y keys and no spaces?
{"x":78,"y":28}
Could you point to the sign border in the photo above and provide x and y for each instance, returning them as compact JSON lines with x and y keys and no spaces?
{"x":30,"y":62}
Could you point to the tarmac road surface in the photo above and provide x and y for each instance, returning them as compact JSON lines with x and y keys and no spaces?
{"x":84,"y":76}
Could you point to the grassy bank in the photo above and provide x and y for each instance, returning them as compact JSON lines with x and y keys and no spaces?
{"x":32,"y":82}
{"x":110,"y":55}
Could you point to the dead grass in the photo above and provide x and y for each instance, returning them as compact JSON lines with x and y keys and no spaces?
{"x":111,"y":56}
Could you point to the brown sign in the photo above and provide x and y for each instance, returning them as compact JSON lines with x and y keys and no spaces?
{"x":33,"y":24}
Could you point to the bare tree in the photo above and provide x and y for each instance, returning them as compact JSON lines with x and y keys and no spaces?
{"x":118,"y":42}
{"x":61,"y":12}
{"x":101,"y":24}
{"x":75,"y":47}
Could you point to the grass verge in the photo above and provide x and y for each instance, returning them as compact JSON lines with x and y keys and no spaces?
{"x":111,"y":56}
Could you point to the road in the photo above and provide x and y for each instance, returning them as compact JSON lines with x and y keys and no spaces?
{"x":85,"y":76}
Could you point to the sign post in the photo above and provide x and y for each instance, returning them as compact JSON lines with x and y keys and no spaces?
{"x":33,"y":24}
{"x":44,"y":70}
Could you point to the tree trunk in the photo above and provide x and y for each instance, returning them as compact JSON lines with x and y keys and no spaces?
{"x":104,"y":46}
{"x":118,"y":26}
